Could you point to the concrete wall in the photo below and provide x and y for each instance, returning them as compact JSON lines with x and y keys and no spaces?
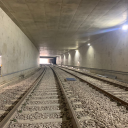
{"x":18,"y":52}
{"x":106,"y":55}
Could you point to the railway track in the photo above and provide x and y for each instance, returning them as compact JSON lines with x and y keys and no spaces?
{"x":95,"y":108}
{"x":115,"y":91}
{"x":44,"y":105}
{"x":108,"y":80}
{"x":11,"y":95}
{"x":53,"y":102}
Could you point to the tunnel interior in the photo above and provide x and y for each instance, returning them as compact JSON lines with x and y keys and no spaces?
{"x":64,"y":63}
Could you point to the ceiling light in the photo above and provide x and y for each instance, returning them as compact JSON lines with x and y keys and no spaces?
{"x":125,"y":27}
{"x":88,"y":44}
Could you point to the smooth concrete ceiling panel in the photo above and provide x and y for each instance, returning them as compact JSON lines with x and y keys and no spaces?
{"x":56,"y":26}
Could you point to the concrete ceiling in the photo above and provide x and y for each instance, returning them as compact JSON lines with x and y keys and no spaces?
{"x":55,"y":26}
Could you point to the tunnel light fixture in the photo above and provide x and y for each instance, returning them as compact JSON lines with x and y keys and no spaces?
{"x":88,"y":44}
{"x":125,"y":27}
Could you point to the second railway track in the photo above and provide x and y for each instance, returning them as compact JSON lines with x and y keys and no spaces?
{"x":116,"y":92}
{"x":97,"y":110}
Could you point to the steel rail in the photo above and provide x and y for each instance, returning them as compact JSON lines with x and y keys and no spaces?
{"x":120,"y":101}
{"x":9,"y":115}
{"x":74,"y":120}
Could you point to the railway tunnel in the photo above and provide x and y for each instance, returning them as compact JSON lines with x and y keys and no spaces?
{"x":63,"y":63}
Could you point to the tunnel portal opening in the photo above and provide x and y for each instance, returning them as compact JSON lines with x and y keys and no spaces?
{"x":47,"y":60}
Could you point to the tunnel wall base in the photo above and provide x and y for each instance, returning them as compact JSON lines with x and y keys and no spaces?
{"x":19,"y":55}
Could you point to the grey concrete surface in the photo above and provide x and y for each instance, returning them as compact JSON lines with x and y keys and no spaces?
{"x":55,"y":26}
{"x":18,"y":52}
{"x":109,"y":52}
